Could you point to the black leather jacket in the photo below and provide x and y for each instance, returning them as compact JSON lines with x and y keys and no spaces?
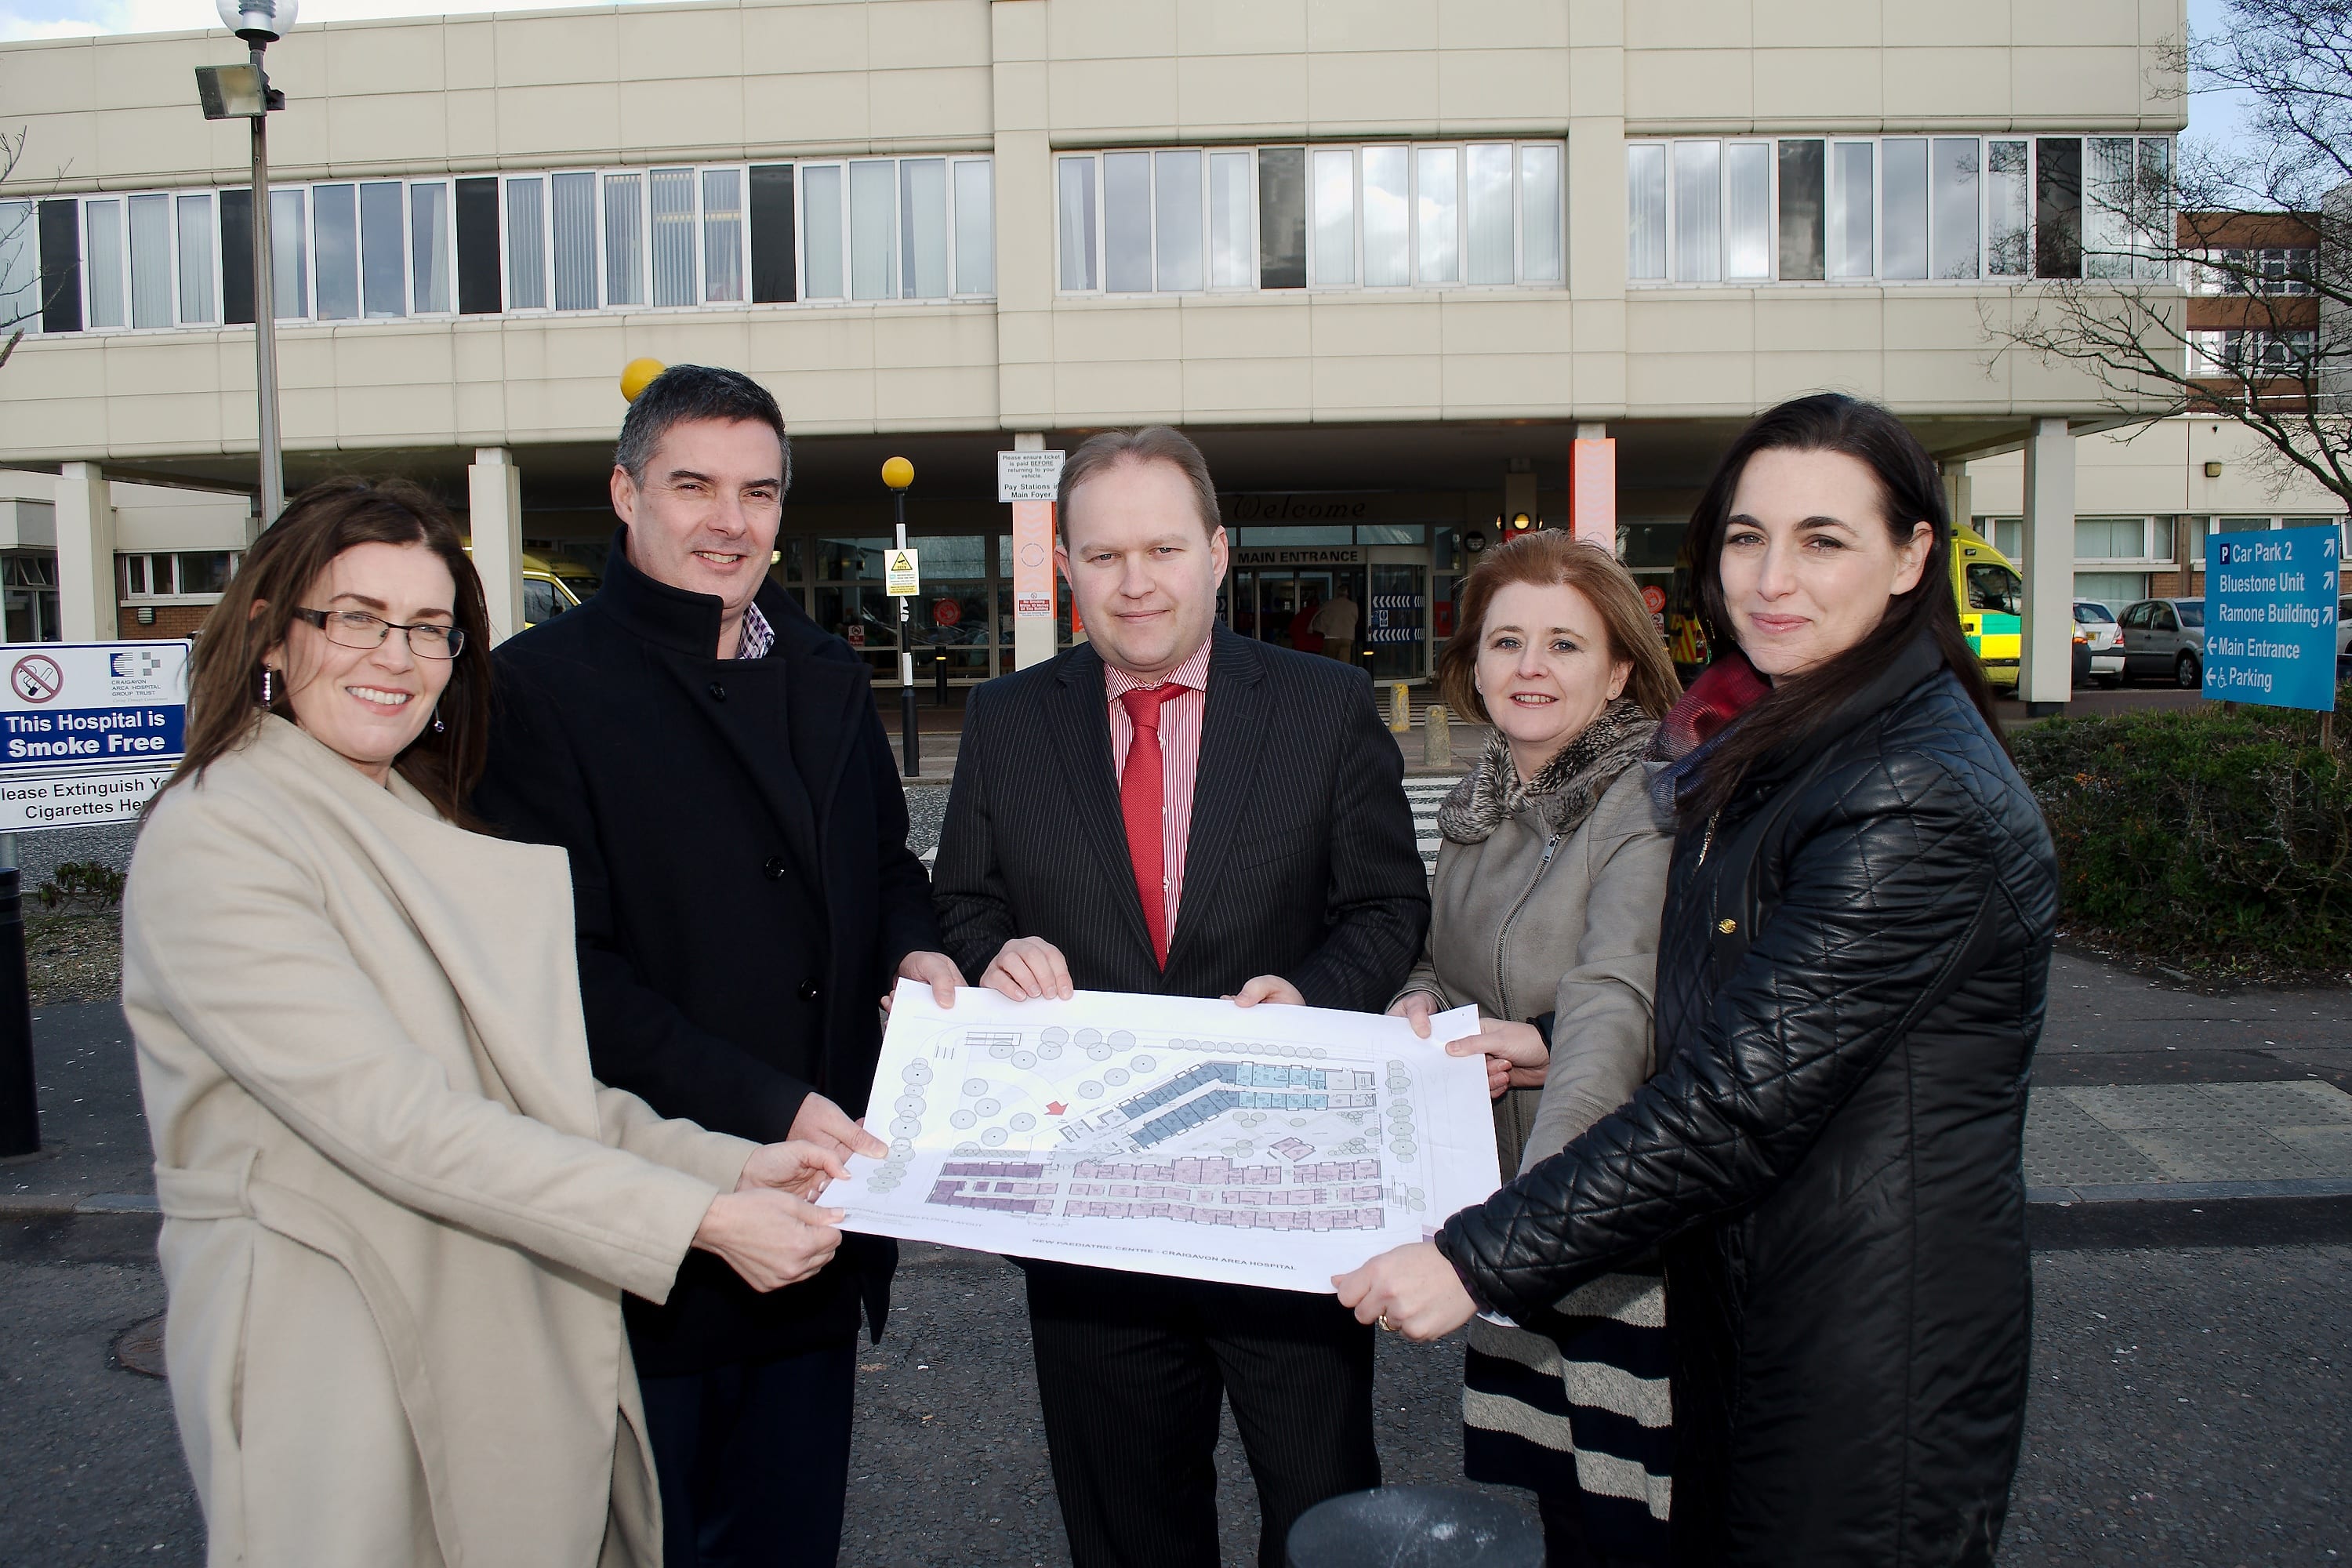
{"x":1851,"y":979}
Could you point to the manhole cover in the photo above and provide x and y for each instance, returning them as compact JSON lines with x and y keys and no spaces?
{"x":139,"y":1347}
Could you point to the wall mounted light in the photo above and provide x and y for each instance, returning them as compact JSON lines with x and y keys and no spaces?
{"x":2214,"y":470}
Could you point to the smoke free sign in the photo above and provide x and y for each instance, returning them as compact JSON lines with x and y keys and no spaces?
{"x":2270,"y":616}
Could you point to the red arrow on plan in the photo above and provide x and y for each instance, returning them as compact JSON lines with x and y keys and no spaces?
{"x":1055,"y":1107}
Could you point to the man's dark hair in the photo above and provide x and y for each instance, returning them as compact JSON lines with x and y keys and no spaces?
{"x":684,"y":393}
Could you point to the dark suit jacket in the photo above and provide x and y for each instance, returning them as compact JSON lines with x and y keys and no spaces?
{"x":1301,"y":862}
{"x":743,"y":893}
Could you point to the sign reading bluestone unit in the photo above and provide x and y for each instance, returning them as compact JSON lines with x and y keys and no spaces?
{"x":2270,"y":616}
{"x":89,"y":731}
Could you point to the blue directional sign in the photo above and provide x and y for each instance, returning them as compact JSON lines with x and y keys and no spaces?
{"x":2270,"y":616}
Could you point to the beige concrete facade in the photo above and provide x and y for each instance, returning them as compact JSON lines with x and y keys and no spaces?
{"x":1293,"y":389}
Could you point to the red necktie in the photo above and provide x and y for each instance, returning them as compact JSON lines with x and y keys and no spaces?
{"x":1141,"y":802}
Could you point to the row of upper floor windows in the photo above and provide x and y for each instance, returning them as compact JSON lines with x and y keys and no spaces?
{"x":1897,"y":209}
{"x":1371,"y":215}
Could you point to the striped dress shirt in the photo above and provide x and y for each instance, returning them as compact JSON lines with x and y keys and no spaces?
{"x":1180,"y":757}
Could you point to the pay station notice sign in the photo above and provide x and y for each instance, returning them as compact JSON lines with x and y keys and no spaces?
{"x":2270,"y":616}
{"x":89,"y":731}
{"x":1027,"y":476}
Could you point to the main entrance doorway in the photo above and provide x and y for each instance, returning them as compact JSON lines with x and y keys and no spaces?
{"x":1274,"y":593}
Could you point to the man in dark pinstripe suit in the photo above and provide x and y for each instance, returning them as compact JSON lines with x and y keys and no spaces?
{"x":1175,"y":809}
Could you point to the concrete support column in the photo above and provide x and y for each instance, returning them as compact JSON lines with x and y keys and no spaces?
{"x":1959,"y":498}
{"x":494,"y":496}
{"x":2045,"y":676}
{"x":87,"y":599}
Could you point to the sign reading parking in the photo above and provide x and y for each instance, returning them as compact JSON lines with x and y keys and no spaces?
{"x":89,"y":731}
{"x":2270,"y":616}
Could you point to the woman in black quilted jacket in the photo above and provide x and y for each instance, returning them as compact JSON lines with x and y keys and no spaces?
{"x":1851,"y":977}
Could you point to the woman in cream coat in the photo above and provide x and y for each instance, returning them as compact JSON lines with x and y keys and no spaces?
{"x":399,"y":1213}
{"x":1545,"y":913}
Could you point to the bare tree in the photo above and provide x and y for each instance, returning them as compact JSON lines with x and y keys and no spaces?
{"x":2255,"y":230}
{"x":19,"y":252}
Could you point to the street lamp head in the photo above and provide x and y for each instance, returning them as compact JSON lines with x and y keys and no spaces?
{"x":897,"y":473}
{"x":258,"y":21}
{"x":233,"y":92}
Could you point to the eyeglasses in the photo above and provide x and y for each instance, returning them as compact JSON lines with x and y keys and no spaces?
{"x":357,"y":628}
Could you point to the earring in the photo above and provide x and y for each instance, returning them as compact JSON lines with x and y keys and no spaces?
{"x":437,"y":725}
{"x":265,"y":686}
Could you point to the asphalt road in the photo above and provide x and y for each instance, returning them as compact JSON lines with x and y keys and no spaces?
{"x":2190,"y":1406}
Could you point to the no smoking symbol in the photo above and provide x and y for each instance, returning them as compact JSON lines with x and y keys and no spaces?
{"x":36,"y":677}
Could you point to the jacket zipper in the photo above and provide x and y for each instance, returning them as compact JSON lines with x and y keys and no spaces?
{"x":1502,"y":986}
{"x":1708,"y":842}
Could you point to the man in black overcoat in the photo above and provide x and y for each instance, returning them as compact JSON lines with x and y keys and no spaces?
{"x":715,"y":766}
{"x":1174,"y":809}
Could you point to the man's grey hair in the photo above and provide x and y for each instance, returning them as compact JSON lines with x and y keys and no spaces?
{"x":1151,"y":444}
{"x":685,"y":393}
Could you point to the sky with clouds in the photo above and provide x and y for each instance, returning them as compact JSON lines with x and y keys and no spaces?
{"x":2211,"y":115}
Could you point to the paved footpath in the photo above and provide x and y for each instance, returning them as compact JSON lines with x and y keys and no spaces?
{"x":2191,"y":1164}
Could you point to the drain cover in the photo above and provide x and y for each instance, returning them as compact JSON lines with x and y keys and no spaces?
{"x":139,"y":1347}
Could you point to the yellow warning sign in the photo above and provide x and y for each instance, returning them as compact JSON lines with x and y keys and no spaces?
{"x":900,"y":578}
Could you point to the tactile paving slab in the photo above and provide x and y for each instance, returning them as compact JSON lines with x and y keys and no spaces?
{"x":2189,"y":1132}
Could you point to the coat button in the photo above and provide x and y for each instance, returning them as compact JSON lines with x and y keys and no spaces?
{"x":774,"y":869}
{"x":717,"y":692}
{"x":808,"y":991}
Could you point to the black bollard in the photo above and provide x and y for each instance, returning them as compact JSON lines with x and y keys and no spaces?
{"x":1415,"y":1527}
{"x":20,"y":1117}
{"x":939,"y":677}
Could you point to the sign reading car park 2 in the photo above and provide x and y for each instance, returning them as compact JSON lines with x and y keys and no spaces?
{"x":89,"y":731}
{"x":2270,"y":616}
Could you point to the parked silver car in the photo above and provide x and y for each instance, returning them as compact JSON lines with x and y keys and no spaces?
{"x":2098,"y":644}
{"x":2165,"y":638}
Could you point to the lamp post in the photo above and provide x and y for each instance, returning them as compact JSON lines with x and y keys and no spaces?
{"x":897,"y":473}
{"x":243,"y":92}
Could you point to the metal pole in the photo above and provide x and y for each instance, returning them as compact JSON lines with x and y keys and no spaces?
{"x":264,"y":314}
{"x":906,"y":660}
{"x":20,"y":1117}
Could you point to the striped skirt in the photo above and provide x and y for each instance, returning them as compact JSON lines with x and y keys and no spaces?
{"x":1583,"y":1418}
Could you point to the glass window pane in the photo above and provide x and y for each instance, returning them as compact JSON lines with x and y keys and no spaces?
{"x":975,"y":227}
{"x":382,"y":265}
{"x":2107,"y":208}
{"x":474,"y":226}
{"x":290,"y":257}
{"x":1748,"y":191}
{"x":873,"y":214}
{"x":722,"y":234}
{"x":1803,"y":211}
{"x":2058,"y":206}
{"x":197,"y":297}
{"x":923,"y":228}
{"x":1540,"y":215}
{"x":1127,"y":222}
{"x":1953,"y":179}
{"x":669,"y":192}
{"x":1437,"y":213}
{"x":526,"y":245}
{"x":2154,"y":232}
{"x":1077,"y":223}
{"x":625,"y":239}
{"x":1699,"y":212}
{"x":1176,"y":214}
{"x":1903,"y":237}
{"x":1646,"y":212}
{"x":102,"y":260}
{"x":20,"y":266}
{"x":821,"y":239}
{"x":1230,"y":258}
{"x":775,"y":242}
{"x":1490,"y":214}
{"x":1388,"y":218}
{"x":1335,"y":216}
{"x":2005,"y":204}
{"x":1852,"y":198}
{"x":575,"y":202}
{"x":336,"y":208}
{"x":1282,"y":218}
{"x":428,"y":246}
{"x":151,"y":261}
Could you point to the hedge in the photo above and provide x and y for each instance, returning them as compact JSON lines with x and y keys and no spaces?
{"x":2212,"y":840}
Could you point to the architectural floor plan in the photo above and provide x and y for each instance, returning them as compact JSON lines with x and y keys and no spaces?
{"x":1268,"y":1145}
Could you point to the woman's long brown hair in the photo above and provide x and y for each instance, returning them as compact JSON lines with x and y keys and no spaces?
{"x":280,"y":571}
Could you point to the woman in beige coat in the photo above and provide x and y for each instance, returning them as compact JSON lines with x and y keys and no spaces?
{"x":1545,"y":913}
{"x":399,"y":1213}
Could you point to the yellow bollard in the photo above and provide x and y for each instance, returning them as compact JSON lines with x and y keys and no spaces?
{"x":1400,"y":707}
{"x":1436,"y":739}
